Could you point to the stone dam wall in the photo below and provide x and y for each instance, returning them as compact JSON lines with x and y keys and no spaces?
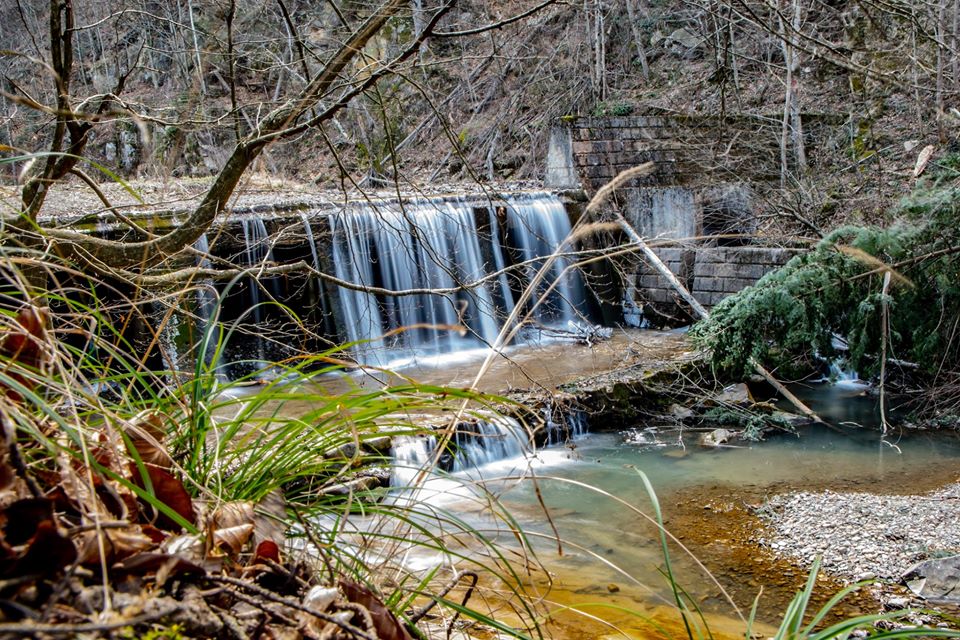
{"x":710,"y":273}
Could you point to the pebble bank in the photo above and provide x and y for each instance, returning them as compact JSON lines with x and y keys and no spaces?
{"x":862,"y":536}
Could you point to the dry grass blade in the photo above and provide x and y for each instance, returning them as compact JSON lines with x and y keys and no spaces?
{"x":874,"y":263}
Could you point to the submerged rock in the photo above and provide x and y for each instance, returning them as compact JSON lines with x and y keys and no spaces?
{"x":935,"y":579}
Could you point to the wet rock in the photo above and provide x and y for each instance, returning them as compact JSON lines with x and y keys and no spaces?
{"x":735,"y":394}
{"x":715,"y":438}
{"x":681,"y":413}
{"x":935,"y":579}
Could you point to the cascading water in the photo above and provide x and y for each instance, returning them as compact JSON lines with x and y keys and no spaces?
{"x":439,"y":245}
{"x":256,"y":251}
{"x":477,"y":444}
{"x":538,"y":227}
{"x":315,"y":254}
{"x":473,"y":445}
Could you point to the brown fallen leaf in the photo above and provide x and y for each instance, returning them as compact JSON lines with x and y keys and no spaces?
{"x":116,"y":544}
{"x":384,"y":621}
{"x":270,"y":517}
{"x":230,"y":528}
{"x":22,"y":344}
{"x":267,"y":550}
{"x":232,"y":539}
{"x":168,"y":489}
{"x":48,"y":552}
{"x":146,"y":434}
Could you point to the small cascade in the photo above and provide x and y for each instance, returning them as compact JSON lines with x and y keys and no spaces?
{"x":843,"y":376}
{"x":562,"y":424}
{"x":474,"y":445}
{"x":312,"y":243}
{"x":418,"y":246}
{"x":256,"y":251}
{"x":487,"y":441}
{"x":483,"y":442}
{"x":410,"y":454}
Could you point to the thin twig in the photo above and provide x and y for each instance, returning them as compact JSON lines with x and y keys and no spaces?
{"x":293,"y":604}
{"x":25,"y":629}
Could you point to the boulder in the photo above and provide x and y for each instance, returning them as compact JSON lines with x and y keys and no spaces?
{"x":735,"y":394}
{"x":937,"y":580}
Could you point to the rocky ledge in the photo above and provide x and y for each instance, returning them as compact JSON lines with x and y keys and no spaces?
{"x":862,"y":536}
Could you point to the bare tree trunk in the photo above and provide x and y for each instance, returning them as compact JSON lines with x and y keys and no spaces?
{"x":941,"y":35}
{"x":792,"y":128}
{"x":638,"y":36}
{"x":595,"y":36}
{"x":954,"y":43}
{"x":196,"y":49}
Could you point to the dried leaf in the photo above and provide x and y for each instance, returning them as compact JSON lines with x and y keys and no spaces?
{"x":320,"y":598}
{"x":232,"y":514}
{"x":150,"y":561}
{"x":384,"y":621}
{"x":147,"y":435}
{"x":76,"y":485}
{"x":270,"y":517}
{"x":168,"y":490}
{"x":153,"y":533}
{"x":230,"y":527}
{"x":23,"y":344}
{"x":47,"y":553}
{"x":232,"y":539}
{"x":267,"y":550}
{"x":117,"y":544}
{"x":923,"y":158}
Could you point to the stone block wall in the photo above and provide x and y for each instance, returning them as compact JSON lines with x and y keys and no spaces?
{"x":710,"y":273}
{"x":707,"y":169}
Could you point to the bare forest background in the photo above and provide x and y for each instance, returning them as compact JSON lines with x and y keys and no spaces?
{"x":170,"y":87}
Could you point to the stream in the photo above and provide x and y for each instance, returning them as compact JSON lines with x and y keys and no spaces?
{"x":611,"y":558}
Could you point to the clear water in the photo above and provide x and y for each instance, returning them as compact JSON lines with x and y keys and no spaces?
{"x":609,"y":541}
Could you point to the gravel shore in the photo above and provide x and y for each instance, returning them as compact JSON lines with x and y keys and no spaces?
{"x":861,"y":535}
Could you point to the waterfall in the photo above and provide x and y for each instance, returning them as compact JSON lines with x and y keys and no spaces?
{"x":312,"y":242}
{"x":256,"y":251}
{"x":569,"y":425}
{"x":538,"y":226}
{"x":440,"y":245}
{"x":487,"y":441}
{"x":206,"y":298}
